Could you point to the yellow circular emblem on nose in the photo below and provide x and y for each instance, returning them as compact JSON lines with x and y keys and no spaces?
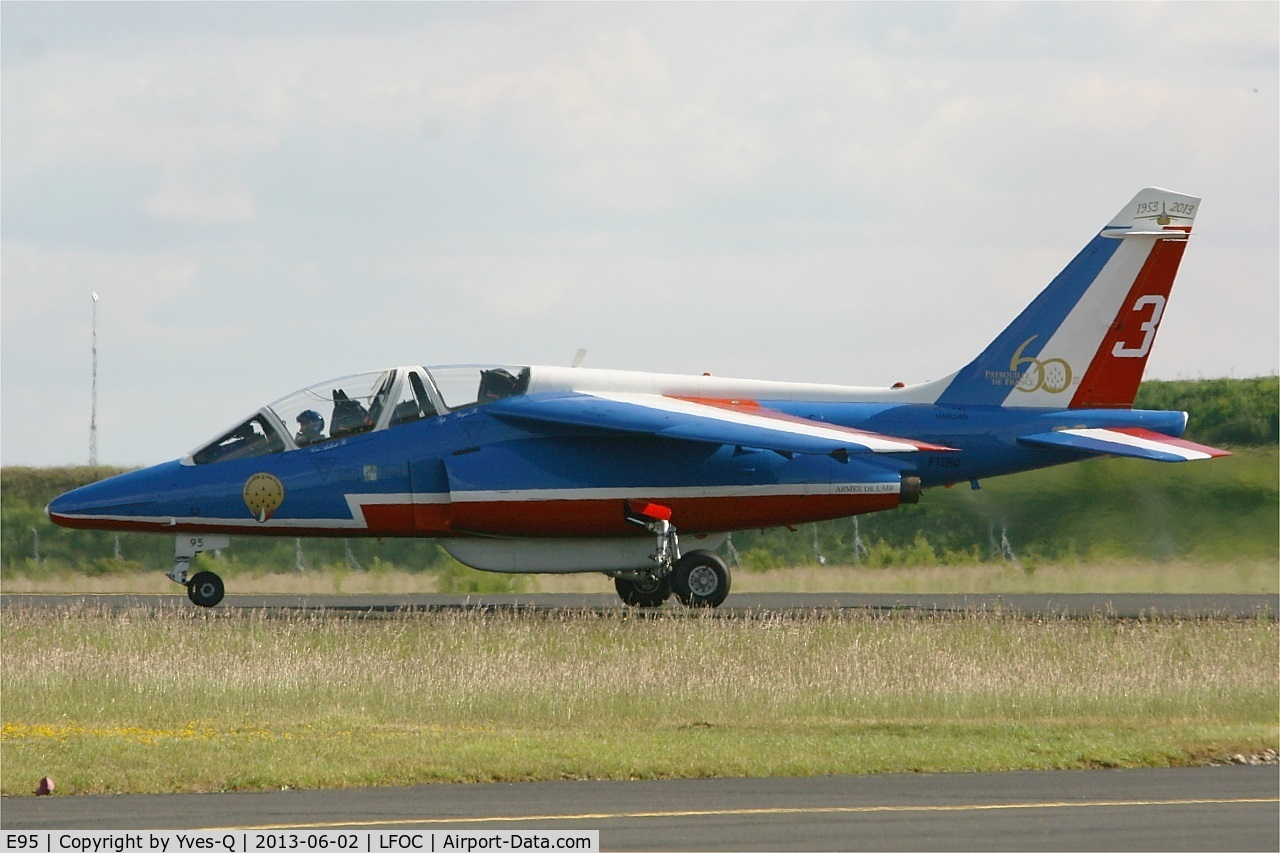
{"x":263,"y":494}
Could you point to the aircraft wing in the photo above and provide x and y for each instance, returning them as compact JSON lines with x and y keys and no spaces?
{"x":1125,"y":441}
{"x":735,"y":422}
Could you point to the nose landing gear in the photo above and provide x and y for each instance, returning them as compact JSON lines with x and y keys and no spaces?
{"x":205,"y":589}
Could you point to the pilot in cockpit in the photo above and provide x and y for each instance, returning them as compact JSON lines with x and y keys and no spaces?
{"x":496,"y":384}
{"x":310,"y":428}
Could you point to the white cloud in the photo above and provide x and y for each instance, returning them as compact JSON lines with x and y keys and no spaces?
{"x":177,"y":199}
{"x":39,"y":283}
{"x":843,"y":192}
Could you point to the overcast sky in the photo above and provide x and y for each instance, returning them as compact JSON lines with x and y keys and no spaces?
{"x":268,"y":195}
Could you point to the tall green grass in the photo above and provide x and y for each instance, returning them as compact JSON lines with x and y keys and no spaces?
{"x":187,"y":700}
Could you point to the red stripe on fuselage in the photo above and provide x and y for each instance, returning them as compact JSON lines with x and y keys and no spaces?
{"x":535,"y":518}
{"x":604,"y":517}
{"x":720,"y":402}
{"x":400,"y":518}
{"x":176,"y":526}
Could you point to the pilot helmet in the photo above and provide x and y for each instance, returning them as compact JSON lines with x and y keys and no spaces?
{"x":311,"y":423}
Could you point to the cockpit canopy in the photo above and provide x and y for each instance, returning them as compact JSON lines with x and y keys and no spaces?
{"x":365,"y":402}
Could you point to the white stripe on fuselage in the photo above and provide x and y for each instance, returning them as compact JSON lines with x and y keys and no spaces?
{"x":358,"y":501}
{"x":783,"y":424}
{"x":548,"y":379}
{"x":677,"y":492}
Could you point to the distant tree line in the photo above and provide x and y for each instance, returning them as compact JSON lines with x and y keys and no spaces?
{"x":1229,"y":412}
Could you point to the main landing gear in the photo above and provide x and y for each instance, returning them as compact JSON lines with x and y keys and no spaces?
{"x":643,"y":589}
{"x":698,"y":579}
{"x":205,"y":589}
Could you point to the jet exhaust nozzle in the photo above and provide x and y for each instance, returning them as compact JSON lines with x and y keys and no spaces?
{"x":910,"y":491}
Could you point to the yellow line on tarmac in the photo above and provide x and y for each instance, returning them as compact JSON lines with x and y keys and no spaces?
{"x":815,"y":810}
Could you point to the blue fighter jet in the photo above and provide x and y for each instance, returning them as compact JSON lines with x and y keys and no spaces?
{"x":641,"y":476}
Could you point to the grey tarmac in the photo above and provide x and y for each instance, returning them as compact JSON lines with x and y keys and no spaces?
{"x":1077,"y":605}
{"x":1205,"y":808}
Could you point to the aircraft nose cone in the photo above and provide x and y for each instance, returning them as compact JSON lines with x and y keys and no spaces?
{"x":112,"y":503}
{"x":77,"y":503}
{"x":64,"y":504}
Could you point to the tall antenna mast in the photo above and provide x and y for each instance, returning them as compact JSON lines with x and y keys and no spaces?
{"x":93,"y":410}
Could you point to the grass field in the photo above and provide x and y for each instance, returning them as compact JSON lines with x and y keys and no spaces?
{"x":1249,"y":576}
{"x":188,"y":700}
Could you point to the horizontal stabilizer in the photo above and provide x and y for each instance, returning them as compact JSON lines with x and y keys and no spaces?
{"x":734,"y":422}
{"x":1125,"y":441}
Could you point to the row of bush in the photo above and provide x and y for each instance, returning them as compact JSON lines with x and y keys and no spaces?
{"x":1231,"y":412}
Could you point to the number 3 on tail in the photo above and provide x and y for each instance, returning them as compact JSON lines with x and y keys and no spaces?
{"x":1148,"y":328}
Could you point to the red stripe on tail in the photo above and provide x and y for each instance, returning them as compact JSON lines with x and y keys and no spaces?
{"x":1113,"y":376}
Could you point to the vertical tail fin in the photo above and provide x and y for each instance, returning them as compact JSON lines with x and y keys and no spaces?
{"x":1084,"y":341}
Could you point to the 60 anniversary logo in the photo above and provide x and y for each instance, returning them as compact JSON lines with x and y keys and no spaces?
{"x":1052,"y":374}
{"x":1028,"y":373}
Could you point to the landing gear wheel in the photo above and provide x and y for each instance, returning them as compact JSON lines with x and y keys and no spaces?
{"x":205,"y":589}
{"x":700,"y":579}
{"x":646,"y":592}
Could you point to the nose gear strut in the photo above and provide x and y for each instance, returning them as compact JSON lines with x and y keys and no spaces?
{"x":205,"y":589}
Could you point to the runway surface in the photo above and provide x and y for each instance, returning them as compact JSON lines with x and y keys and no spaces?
{"x":1120,"y":605}
{"x":1209,"y":808}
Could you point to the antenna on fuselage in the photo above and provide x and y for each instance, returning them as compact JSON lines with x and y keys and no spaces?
{"x":579,"y":358}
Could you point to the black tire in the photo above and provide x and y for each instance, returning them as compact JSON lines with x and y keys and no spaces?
{"x":205,"y":589}
{"x":650,"y":592}
{"x":700,"y":579}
